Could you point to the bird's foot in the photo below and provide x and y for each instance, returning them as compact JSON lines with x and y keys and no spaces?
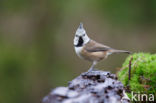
{"x":92,"y":69}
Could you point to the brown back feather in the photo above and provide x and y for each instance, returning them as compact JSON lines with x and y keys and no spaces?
{"x":93,"y":46}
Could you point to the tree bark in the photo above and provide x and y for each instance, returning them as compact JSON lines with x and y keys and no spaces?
{"x":90,"y":87}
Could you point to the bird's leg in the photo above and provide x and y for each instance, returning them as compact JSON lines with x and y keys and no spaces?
{"x":92,"y":67}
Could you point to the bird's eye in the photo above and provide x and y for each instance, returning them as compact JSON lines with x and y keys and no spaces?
{"x":83,"y":35}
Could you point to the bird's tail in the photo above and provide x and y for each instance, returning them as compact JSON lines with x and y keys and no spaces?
{"x":120,"y":51}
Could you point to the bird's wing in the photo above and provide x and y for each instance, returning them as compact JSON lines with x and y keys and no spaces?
{"x":93,"y":46}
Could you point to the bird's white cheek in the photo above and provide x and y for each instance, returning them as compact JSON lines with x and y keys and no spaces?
{"x":86,"y":39}
{"x":75,"y":41}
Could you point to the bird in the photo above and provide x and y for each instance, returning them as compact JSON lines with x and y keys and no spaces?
{"x":91,"y":50}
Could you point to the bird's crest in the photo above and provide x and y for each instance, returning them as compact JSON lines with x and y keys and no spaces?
{"x":81,"y":25}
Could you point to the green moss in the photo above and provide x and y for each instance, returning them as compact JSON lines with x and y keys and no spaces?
{"x":143,"y":73}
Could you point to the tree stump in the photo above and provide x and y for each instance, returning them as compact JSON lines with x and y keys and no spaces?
{"x":90,"y":87}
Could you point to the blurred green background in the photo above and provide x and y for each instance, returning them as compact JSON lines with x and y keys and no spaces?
{"x":36,"y":41}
